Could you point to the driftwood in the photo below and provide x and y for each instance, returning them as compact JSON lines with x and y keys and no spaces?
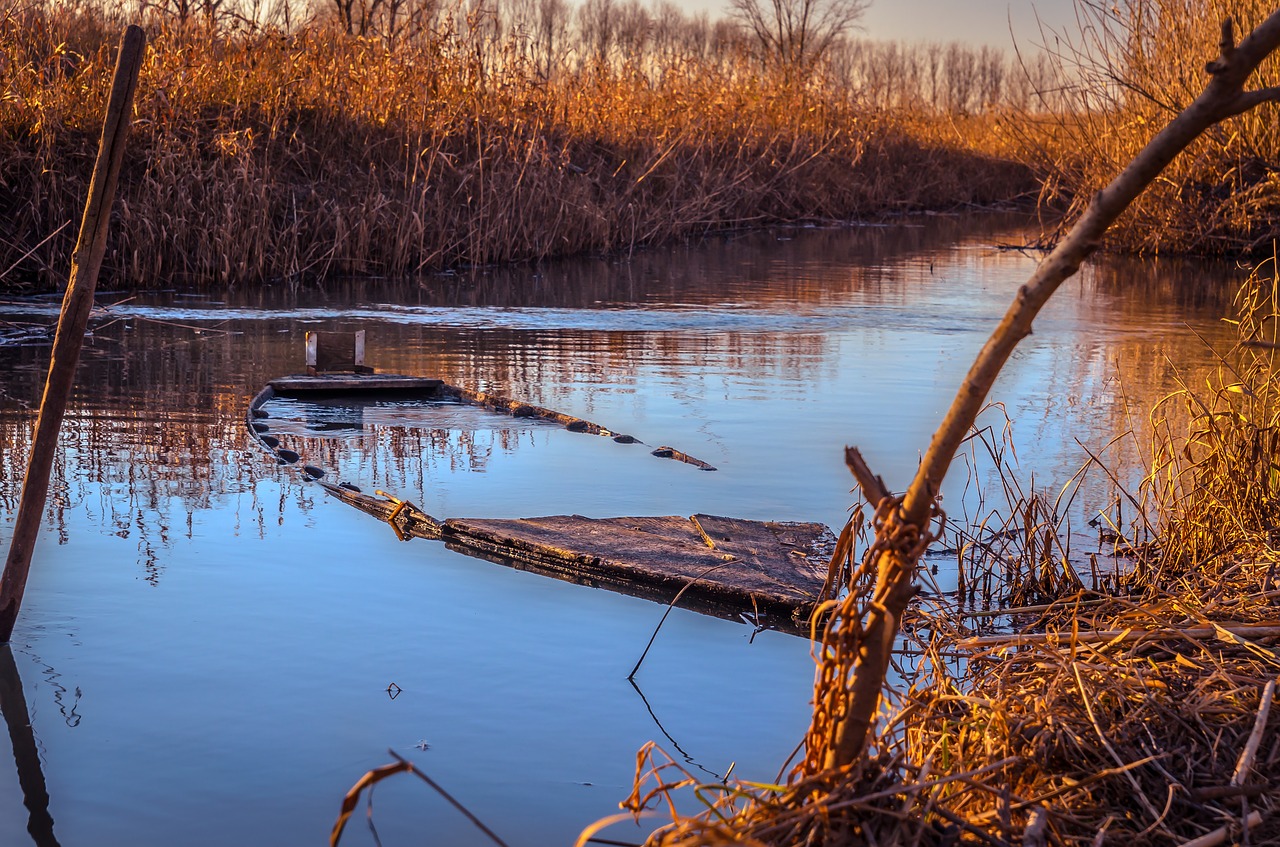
{"x":859,"y":639}
{"x":86,"y":261}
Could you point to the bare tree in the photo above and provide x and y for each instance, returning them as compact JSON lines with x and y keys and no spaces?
{"x":597,"y":28}
{"x":798,"y":33}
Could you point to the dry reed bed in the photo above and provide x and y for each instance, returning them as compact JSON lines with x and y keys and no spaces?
{"x":266,"y":157}
{"x":1128,"y":705}
{"x":1129,"y":68}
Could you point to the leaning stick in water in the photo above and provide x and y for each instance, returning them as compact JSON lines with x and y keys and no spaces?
{"x":76,"y":304}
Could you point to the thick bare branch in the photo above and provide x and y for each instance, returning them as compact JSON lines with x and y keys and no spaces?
{"x":1222,"y":97}
{"x":873,"y":487}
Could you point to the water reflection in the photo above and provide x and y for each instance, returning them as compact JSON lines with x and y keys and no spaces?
{"x":675,"y":745}
{"x":877,"y":319}
{"x":35,"y":795}
{"x":192,"y":569}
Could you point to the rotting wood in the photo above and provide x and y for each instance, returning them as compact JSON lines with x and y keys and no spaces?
{"x":521,"y":409}
{"x":672,"y":453}
{"x":436,"y":389}
{"x":76,"y":305}
{"x":407,"y":519}
{"x":774,"y":569}
{"x":342,"y":382}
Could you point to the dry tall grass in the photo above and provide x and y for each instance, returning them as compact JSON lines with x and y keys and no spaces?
{"x":1129,"y":67}
{"x":261,"y":156}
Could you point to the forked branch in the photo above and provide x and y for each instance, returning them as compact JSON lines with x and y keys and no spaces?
{"x":852,"y":702}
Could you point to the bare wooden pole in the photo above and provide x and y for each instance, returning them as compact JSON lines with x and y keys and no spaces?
{"x":76,"y":304}
{"x":1223,"y":97}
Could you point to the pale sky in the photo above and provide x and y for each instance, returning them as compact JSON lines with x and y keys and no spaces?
{"x":972,"y":21}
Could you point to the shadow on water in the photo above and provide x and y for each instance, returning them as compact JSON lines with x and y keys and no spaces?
{"x":675,"y":744}
{"x":35,"y":796}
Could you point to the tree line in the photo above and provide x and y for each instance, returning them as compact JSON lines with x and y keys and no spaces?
{"x":813,"y":41}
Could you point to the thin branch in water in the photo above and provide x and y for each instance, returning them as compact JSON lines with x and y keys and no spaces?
{"x":671,"y":606}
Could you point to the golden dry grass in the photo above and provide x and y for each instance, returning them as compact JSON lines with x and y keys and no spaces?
{"x":263,"y":157}
{"x":1128,"y":69}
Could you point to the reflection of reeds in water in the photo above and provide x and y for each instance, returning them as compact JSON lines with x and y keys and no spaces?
{"x":1135,"y":715}
{"x":407,"y":457}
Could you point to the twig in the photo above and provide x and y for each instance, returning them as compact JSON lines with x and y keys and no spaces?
{"x":409,"y":766}
{"x":1250,"y":750}
{"x":1222,"y":833}
{"x":671,"y":606}
{"x":7,"y":270}
{"x":353,"y":796}
{"x":873,"y":487}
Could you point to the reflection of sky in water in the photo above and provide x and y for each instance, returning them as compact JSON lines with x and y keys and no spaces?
{"x":232,"y":632}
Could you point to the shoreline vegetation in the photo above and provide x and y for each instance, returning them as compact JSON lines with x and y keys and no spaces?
{"x":261,"y":154}
{"x":1132,"y":708}
{"x":1125,"y":697}
{"x":1059,"y":697}
{"x":276,"y":143}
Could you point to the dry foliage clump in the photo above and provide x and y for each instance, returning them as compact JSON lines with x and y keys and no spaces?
{"x":1128,"y":68}
{"x":1131,"y":706}
{"x":260,"y":155}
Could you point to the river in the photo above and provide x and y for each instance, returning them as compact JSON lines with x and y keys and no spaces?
{"x":212,"y":650}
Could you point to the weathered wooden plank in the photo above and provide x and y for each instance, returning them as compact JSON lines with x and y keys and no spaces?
{"x":716,"y":565}
{"x":760,"y":573}
{"x":680,"y":456}
{"x":780,"y":553}
{"x":408,"y":520}
{"x":300,"y":383}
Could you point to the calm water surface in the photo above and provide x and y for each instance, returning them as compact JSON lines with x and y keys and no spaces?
{"x":208,"y":642}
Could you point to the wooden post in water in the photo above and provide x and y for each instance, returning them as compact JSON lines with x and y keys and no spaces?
{"x":76,"y":304}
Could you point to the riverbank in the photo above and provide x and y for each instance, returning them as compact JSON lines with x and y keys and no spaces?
{"x":260,"y":158}
{"x":1062,"y":695}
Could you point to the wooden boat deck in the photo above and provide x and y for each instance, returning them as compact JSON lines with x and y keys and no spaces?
{"x":727,"y":567}
{"x":305,"y":383}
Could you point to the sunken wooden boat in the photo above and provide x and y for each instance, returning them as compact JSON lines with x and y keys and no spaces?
{"x":772,"y":574}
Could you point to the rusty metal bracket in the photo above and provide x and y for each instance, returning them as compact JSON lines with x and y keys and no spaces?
{"x":401,"y":505}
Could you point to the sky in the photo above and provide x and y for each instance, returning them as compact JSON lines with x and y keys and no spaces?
{"x":971,"y":21}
